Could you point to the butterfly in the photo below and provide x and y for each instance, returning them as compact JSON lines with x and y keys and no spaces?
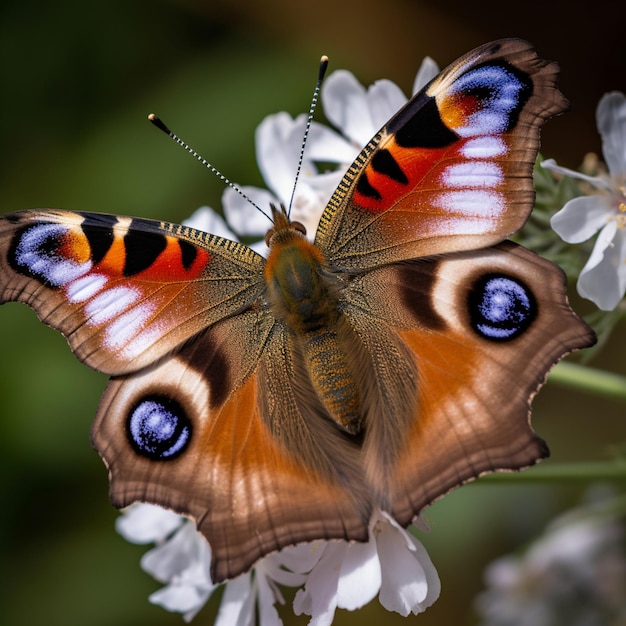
{"x":284,"y":399}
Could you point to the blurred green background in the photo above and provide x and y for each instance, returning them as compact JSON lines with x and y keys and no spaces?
{"x":77,"y":82}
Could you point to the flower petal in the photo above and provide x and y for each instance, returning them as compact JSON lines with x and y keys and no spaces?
{"x":427,"y":71}
{"x":312,"y":195}
{"x":278,"y":140}
{"x":318,"y":598}
{"x":410,"y":583}
{"x":244,"y":218}
{"x":300,"y":558}
{"x":611,"y":120}
{"x":237,"y":606}
{"x":186,"y":554}
{"x":268,"y":596}
{"x":603,"y":279}
{"x":604,"y":241}
{"x":325,"y":144}
{"x":574,"y":574}
{"x":582,"y":217}
{"x":359,"y":577}
{"x":384,"y":98}
{"x":147,"y":523}
{"x":345,"y":104}
{"x":181,"y":599}
{"x":207,"y":220}
{"x":596,"y":181}
{"x":421,"y":524}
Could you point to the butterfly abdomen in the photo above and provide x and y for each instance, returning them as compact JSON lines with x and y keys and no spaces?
{"x":332,"y":378}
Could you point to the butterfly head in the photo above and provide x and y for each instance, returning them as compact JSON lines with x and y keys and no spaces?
{"x":295,"y":271}
{"x":284,"y":230}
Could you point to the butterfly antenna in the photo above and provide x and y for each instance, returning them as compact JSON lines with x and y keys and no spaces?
{"x":156,"y":120}
{"x":309,"y":121}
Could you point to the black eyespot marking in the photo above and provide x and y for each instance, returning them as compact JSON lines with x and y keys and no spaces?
{"x":501,"y":307}
{"x":142,"y":248}
{"x":365,"y":188}
{"x":420,"y":126}
{"x":188,"y":251}
{"x":98,"y":228}
{"x":383,"y":162}
{"x":158,"y":428}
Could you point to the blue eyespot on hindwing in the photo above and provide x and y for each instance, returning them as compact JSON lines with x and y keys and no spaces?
{"x":501,"y":307}
{"x":158,"y":428}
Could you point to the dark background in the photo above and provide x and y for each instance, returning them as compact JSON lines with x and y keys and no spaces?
{"x":77,"y":82}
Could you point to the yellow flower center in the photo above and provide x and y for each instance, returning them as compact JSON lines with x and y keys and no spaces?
{"x":621,"y":206}
{"x":621,"y":217}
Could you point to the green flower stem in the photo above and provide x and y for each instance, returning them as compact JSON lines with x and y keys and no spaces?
{"x":588,"y":471}
{"x":588,"y":379}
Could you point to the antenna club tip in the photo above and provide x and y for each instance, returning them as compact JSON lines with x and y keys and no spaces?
{"x":156,"y":120}
{"x":323,"y":66}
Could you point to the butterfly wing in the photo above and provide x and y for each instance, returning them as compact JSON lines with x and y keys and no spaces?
{"x":124,"y":291}
{"x":481,"y":329}
{"x":225,"y":431}
{"x":452,"y":170}
{"x":228,"y":429}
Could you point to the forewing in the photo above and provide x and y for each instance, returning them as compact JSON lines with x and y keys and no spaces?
{"x":452,"y":170}
{"x":124,"y":291}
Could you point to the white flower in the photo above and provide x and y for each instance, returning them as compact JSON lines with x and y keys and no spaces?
{"x":603,"y":279}
{"x":392,"y":564}
{"x":358,"y":113}
{"x":574,"y":575}
{"x":278,"y":144}
{"x":207,"y":220}
{"x":182,"y":560}
{"x":335,"y":574}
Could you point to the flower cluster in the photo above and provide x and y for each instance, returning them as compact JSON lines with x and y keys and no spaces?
{"x":393,"y":564}
{"x":573,"y":575}
{"x":602,"y":211}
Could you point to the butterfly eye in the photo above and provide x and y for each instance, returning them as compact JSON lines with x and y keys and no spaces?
{"x":501,"y":307}
{"x":159,"y":428}
{"x":268,"y":236}
{"x":299,"y":227}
